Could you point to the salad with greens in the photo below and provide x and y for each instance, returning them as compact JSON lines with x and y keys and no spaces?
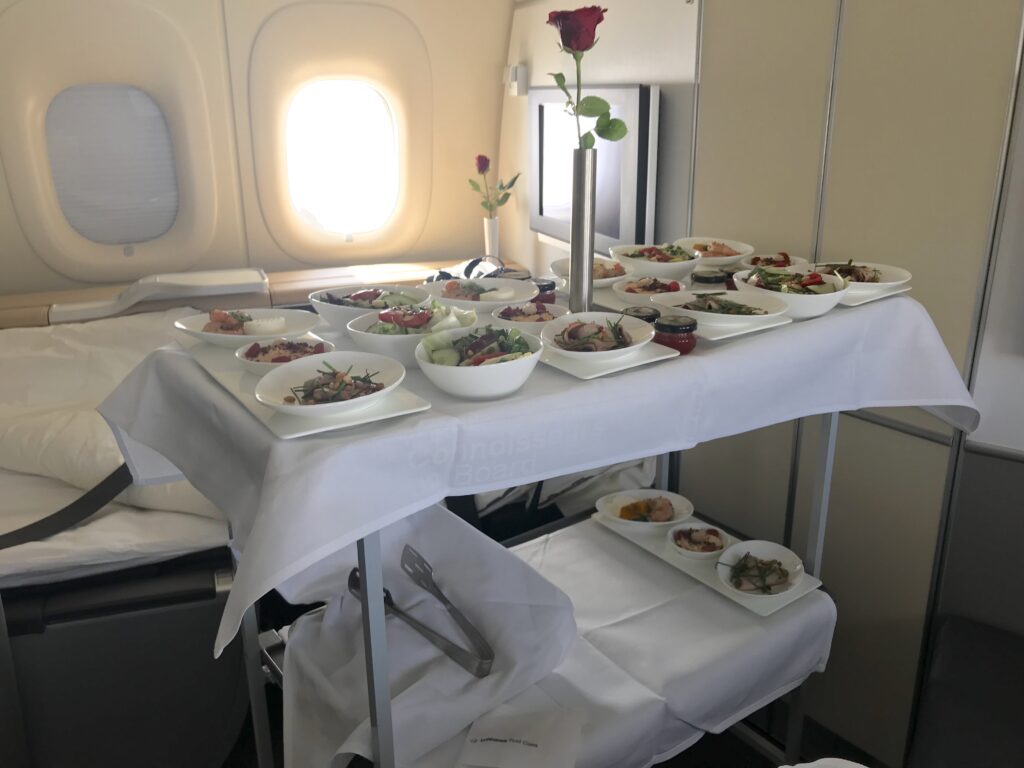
{"x":661,"y":253}
{"x":372,"y":298}
{"x":405,"y":321}
{"x":717,"y":303}
{"x":780,"y":280}
{"x":483,"y":346}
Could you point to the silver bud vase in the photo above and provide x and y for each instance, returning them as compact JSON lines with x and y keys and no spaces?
{"x":581,"y":229}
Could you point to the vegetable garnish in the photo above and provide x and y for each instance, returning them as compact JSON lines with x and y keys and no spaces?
{"x":591,"y":337}
{"x":782,"y":281}
{"x":485,"y":346}
{"x":333,"y":386}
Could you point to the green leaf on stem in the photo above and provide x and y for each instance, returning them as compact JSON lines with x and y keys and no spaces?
{"x":474,"y":185}
{"x":587,"y":140}
{"x":560,"y":82}
{"x":593,"y":106}
{"x":613,"y":130}
{"x":503,"y":199}
{"x":489,"y":207}
{"x":511,"y":182}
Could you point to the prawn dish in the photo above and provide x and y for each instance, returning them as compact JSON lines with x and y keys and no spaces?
{"x":537,"y":312}
{"x":654,"y":510}
{"x":333,"y":386}
{"x":780,"y":259}
{"x":714,"y":249}
{"x":649,"y":286}
{"x":809,"y":284}
{"x":663,"y":254}
{"x":235,"y":323}
{"x":593,"y":337}
{"x":701,"y":540}
{"x":763,"y":577}
{"x":282,"y":351}
{"x":855,"y":273}
{"x":603,"y":270}
{"x":467,"y":290}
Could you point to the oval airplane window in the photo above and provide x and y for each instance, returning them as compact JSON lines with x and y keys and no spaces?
{"x":342,"y":156}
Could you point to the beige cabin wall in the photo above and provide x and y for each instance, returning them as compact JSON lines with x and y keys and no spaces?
{"x":921,"y":99}
{"x":641,"y":41}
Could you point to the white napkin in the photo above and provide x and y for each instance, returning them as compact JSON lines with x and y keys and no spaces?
{"x":527,"y":621}
{"x":507,"y":740}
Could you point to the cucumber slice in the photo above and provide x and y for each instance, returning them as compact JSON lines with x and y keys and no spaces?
{"x":445,"y":357}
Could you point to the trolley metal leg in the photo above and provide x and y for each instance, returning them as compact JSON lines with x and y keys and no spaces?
{"x":13,"y":741}
{"x":375,"y":643}
{"x":257,"y":690}
{"x":820,"y":495}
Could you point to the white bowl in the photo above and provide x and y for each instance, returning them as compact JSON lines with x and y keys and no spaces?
{"x":399,"y":347}
{"x":743,"y":250}
{"x":640,"y":332}
{"x":619,"y":288}
{"x":609,"y":506}
{"x":765,"y":550}
{"x":272,"y":389}
{"x":339,"y":316}
{"x":727,"y":540}
{"x":890,"y":278}
{"x":799,"y":306}
{"x":259,"y":369}
{"x":794,"y":261}
{"x":561,"y":268}
{"x":773,"y":306}
{"x":483,"y":382}
{"x":535,"y":328}
{"x":297,"y":322}
{"x":518,"y":290}
{"x":671,"y":270}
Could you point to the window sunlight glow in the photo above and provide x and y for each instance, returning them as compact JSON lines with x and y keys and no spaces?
{"x":342,"y":155}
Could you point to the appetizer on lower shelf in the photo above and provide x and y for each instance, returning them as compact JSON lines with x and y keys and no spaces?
{"x":663,"y":254}
{"x":333,"y":386}
{"x":855,"y":273}
{"x":649,"y":286}
{"x":593,"y":337}
{"x":535,"y":312}
{"x":701,"y":540}
{"x":604,"y":269}
{"x":718,"y":304}
{"x":467,"y":290}
{"x":780,"y":259}
{"x":242,"y":323}
{"x":282,"y":351}
{"x":763,"y":577}
{"x":488,"y":346}
{"x":372,"y":298}
{"x":657,"y":509}
{"x":771,"y":279}
{"x":404,"y":321}
{"x":713,"y":249}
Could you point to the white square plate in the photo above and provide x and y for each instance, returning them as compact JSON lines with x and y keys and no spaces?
{"x":855,"y":300}
{"x":584,"y":369}
{"x":719,"y":332}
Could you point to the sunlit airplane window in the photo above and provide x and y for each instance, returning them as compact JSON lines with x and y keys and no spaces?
{"x":112,"y":162}
{"x":342,"y":155}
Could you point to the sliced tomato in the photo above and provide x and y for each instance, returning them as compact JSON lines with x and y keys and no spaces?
{"x":673,"y":286}
{"x":406,"y":318}
{"x":368,"y":295}
{"x":483,"y":358}
{"x":812,"y":279}
{"x":253,"y":351}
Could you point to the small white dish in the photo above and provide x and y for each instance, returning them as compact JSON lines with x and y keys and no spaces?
{"x":339,"y":315}
{"x":727,"y":541}
{"x":742,"y":250}
{"x":800,"y":306}
{"x":867,"y":298}
{"x":764,"y":550}
{"x":642,"y":299}
{"x":587,"y":370}
{"x":664,"y":270}
{"x":774,"y":307}
{"x":296,"y":323}
{"x":533,"y":327}
{"x":609,"y":506}
{"x":891,"y":277}
{"x":509,"y":292}
{"x":400,"y":347}
{"x":480,"y":382}
{"x":273,"y":388}
{"x":722,"y":332}
{"x":561,"y":268}
{"x":259,"y":368}
{"x":794,"y":261}
{"x":639,"y":332}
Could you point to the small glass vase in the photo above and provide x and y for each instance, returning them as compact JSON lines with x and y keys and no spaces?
{"x":491,"y":237}
{"x":581,"y":229}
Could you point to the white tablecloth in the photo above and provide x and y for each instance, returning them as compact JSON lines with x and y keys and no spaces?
{"x":292,"y":503}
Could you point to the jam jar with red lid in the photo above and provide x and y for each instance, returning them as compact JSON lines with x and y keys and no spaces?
{"x":546,"y":288}
{"x":676,"y":332}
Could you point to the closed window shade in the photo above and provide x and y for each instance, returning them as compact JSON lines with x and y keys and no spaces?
{"x":113,"y":163}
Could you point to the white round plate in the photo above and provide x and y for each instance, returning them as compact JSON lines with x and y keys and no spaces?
{"x":668,"y":270}
{"x":296,"y":323}
{"x":561,"y":268}
{"x":272,"y":389}
{"x":727,"y":541}
{"x":640,"y":332}
{"x":261,"y":368}
{"x":480,"y":382}
{"x":794,"y":261}
{"x":765,"y":550}
{"x":642,"y":299}
{"x":773,"y":306}
{"x":608,"y":506}
{"x":339,"y":315}
{"x":744,"y":250}
{"x":799,"y":306}
{"x":514,"y":292}
{"x":891,"y":277}
{"x":526,"y":327}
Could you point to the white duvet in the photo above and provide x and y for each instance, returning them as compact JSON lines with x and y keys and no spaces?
{"x":52,"y":379}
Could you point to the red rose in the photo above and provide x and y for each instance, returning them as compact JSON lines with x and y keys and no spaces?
{"x":578,"y":29}
{"x":483,"y":164}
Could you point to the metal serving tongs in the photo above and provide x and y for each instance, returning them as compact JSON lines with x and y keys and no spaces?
{"x":478,"y":664}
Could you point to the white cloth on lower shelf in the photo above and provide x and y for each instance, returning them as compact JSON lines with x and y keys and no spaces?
{"x":527,"y":621}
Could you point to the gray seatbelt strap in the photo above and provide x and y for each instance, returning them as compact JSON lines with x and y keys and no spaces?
{"x":88,"y":504}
